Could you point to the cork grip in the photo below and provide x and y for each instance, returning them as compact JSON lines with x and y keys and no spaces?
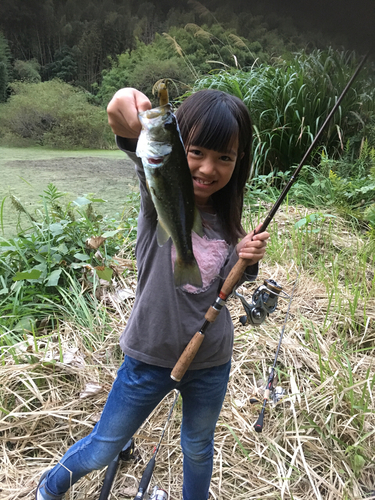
{"x":187,"y":357}
{"x":234,"y":276}
{"x":211,"y":314}
{"x":193,"y":346}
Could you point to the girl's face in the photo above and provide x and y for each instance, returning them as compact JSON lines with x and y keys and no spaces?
{"x":211,"y":170}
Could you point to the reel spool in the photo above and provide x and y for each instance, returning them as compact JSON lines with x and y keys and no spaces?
{"x":264,"y":302}
{"x":158,"y":494}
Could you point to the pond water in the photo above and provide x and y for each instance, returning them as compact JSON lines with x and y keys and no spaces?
{"x":26,"y":172}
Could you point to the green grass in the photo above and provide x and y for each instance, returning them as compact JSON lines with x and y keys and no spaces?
{"x":290,"y":100}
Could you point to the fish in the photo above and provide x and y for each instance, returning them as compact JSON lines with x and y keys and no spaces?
{"x":170,"y":184}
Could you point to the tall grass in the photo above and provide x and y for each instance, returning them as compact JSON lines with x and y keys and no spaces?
{"x":290,"y":100}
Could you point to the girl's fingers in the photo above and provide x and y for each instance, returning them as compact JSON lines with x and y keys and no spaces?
{"x":261,"y":236}
{"x":253,"y":248}
{"x":123,"y":112}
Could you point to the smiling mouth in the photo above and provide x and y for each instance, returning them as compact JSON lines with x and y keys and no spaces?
{"x":202,"y":182}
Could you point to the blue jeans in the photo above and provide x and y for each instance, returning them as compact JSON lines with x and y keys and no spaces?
{"x":137,"y":390}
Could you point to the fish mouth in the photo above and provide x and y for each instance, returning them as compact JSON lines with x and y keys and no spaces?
{"x":155,"y":160}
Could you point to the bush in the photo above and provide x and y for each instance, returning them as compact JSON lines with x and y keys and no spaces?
{"x":27,"y":71}
{"x":63,"y":243}
{"x":53,"y":114}
{"x":289,"y":102}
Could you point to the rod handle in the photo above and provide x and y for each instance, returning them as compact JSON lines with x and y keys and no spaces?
{"x":108,"y":478}
{"x":259,"y":423}
{"x":187,"y":357}
{"x":234,"y":276}
{"x":146,"y":478}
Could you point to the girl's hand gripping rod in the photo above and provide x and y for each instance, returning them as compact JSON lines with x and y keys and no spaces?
{"x":237,"y":271}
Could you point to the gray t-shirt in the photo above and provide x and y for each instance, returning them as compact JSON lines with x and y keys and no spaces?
{"x":165,"y":318}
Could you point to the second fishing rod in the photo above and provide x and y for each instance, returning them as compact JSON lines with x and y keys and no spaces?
{"x":237,"y":271}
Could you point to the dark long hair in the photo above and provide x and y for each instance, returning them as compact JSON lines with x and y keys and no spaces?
{"x":212,"y":119}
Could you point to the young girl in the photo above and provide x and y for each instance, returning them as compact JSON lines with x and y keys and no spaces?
{"x":216,"y":130}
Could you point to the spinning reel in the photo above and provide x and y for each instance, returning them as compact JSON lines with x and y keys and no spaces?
{"x":157,"y":494}
{"x":264,"y":302}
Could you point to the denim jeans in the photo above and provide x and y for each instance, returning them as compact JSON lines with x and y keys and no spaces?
{"x":137,"y":390}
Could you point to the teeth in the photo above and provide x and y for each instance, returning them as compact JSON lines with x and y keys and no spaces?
{"x":203,"y":182}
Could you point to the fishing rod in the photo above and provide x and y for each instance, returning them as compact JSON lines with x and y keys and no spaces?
{"x":238,"y":269}
{"x":125,"y":454}
{"x":259,"y":423}
{"x":157,"y":494}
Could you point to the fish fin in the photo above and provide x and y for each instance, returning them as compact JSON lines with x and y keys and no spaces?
{"x":197,"y":226}
{"x":162,"y":234}
{"x":187,"y":273}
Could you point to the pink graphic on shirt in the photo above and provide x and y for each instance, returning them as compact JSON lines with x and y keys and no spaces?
{"x":210,"y":256}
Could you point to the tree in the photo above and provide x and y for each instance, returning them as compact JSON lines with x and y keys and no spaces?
{"x":5,"y":67}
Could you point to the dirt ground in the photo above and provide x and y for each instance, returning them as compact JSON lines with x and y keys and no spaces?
{"x":110,"y":176}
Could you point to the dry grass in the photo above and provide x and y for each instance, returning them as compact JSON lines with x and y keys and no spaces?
{"x":317,"y":443}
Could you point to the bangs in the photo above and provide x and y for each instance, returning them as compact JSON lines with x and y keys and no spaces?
{"x":209,"y":124}
{"x":214,"y":130}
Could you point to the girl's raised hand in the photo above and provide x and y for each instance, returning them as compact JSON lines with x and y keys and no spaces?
{"x":123,"y":112}
{"x":253,"y":247}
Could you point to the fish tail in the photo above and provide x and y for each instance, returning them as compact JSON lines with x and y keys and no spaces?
{"x":187,"y":272}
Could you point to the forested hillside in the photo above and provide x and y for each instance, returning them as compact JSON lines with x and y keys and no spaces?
{"x":75,"y":41}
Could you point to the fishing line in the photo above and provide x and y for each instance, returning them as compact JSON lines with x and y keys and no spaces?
{"x":259,"y":423}
{"x":146,"y":476}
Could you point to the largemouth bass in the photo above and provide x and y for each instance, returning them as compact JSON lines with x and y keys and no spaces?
{"x":171,"y":187}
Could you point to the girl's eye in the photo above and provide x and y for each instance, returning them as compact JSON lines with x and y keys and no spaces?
{"x":226,"y":158}
{"x":194,"y":152}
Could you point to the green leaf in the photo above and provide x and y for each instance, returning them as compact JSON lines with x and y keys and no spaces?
{"x":98,"y":200}
{"x":358,"y":462}
{"x":76,"y":265}
{"x":5,"y":288}
{"x":32,"y":274}
{"x":105,"y":274}
{"x":56,"y":258}
{"x":39,"y":258}
{"x":63,"y":249}
{"x":26,"y":323}
{"x":82,"y":201}
{"x":8,"y":245}
{"x":82,"y":256}
{"x":109,"y":234}
{"x":300,"y":223}
{"x":53,"y":278}
{"x":56,"y":229}
{"x":43,"y":268}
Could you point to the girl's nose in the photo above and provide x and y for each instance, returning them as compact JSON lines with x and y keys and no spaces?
{"x":207,"y":166}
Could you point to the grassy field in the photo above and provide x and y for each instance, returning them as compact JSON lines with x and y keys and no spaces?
{"x":317,"y":443}
{"x":26,"y":172}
